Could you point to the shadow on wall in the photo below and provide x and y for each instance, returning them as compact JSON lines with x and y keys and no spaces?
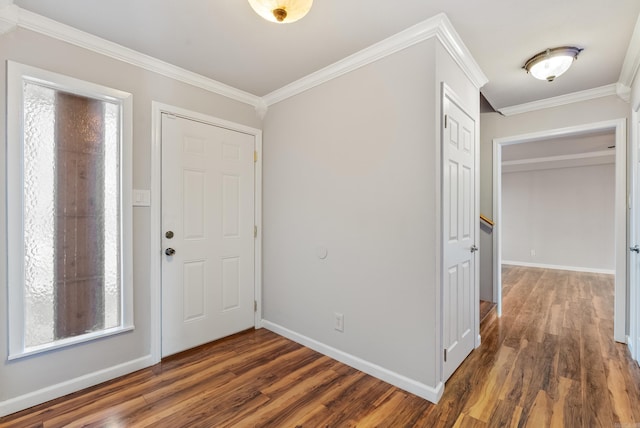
{"x":486,"y":262}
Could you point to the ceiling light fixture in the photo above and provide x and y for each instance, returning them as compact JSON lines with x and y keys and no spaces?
{"x":281,"y":11}
{"x":549,"y":64}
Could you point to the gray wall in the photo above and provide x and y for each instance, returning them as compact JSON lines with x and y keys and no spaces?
{"x":486,"y":260}
{"x":564,"y":215}
{"x":352,"y":166}
{"x":30,"y":374}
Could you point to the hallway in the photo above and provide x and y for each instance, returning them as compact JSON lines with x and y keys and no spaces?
{"x":551,"y":359}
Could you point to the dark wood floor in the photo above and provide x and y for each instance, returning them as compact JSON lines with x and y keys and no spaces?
{"x":549,"y":361}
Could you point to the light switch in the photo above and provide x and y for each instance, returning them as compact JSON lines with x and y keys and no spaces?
{"x":141,"y":198}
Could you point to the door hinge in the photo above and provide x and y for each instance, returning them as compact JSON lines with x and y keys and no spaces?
{"x":255,"y":231}
{"x":445,"y":355}
{"x":255,"y":306}
{"x":255,"y":156}
{"x":446,"y":120}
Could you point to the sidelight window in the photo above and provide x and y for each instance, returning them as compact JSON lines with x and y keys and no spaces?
{"x":69,"y":227}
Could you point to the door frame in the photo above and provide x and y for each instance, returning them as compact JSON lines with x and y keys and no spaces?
{"x":157,"y":109}
{"x":447,"y":92}
{"x":620,"y":214}
{"x":633,"y":340}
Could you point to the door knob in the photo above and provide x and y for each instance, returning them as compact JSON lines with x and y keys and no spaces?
{"x":635,"y":249}
{"x":169,"y":251}
{"x":473,"y":248}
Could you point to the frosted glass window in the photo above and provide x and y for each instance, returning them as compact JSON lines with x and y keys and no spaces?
{"x":68,"y":281}
{"x":71,"y":215}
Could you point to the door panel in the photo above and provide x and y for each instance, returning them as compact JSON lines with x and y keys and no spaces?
{"x":459,"y":297}
{"x":208,"y":205}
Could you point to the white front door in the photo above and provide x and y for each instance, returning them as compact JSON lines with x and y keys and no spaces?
{"x":207,"y":233}
{"x":459,"y":228}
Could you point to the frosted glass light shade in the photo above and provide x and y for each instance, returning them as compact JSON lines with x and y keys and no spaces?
{"x":281,"y":11}
{"x":551,"y":63}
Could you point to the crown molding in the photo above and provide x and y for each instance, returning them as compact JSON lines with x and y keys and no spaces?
{"x":261,"y":109}
{"x":589,"y":94}
{"x":452,"y":41}
{"x":631,"y":62}
{"x":8,"y":17}
{"x":12,"y":16}
{"x":438,"y":26}
{"x":623,"y":91}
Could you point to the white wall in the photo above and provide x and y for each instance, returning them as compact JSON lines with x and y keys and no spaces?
{"x":23,"y":377}
{"x":352,"y":166}
{"x":566,"y":216}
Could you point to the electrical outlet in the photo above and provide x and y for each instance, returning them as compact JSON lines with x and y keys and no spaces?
{"x":339,"y":322}
{"x":533,"y":253}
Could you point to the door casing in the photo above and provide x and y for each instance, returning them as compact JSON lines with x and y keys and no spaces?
{"x":634,"y":234}
{"x":156,"y":214}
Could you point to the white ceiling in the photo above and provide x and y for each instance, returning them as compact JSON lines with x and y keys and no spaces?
{"x":226,"y":41}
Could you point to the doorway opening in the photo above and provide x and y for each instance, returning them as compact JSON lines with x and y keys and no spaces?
{"x":589,"y":131}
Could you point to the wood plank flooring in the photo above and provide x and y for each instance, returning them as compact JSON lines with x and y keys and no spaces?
{"x":549,"y":361}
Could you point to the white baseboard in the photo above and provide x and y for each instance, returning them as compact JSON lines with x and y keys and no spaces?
{"x":558,"y":267}
{"x":427,"y":392}
{"x":43,"y":395}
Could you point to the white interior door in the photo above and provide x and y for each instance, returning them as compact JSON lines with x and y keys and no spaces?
{"x":459,"y":228}
{"x":208,"y":233}
{"x":634,"y":241}
{"x":635,"y":265}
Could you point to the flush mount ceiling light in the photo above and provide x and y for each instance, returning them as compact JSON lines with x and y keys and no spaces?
{"x":549,"y":64}
{"x":281,"y":11}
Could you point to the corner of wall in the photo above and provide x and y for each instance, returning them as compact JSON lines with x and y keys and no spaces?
{"x":430,"y":393}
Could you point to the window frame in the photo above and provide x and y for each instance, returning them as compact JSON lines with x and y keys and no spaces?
{"x":17,"y":74}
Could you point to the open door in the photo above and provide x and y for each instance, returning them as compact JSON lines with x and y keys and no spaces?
{"x":634,"y":241}
{"x":459,"y":219}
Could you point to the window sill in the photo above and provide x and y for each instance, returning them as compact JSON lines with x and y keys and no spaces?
{"x":58,"y":344}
